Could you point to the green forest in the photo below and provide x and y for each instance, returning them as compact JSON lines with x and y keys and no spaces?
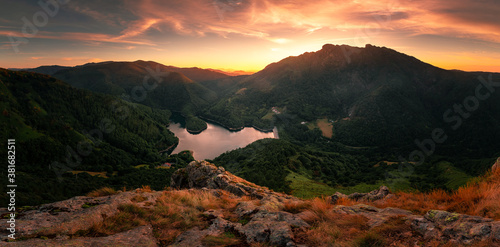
{"x":86,"y":130}
{"x":58,"y":129}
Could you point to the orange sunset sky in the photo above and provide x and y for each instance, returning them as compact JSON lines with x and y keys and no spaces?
{"x":245,"y":35}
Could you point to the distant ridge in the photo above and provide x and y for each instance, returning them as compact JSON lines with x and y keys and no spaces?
{"x":193,"y":73}
{"x":46,"y":69}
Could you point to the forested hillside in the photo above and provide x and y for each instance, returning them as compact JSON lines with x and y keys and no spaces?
{"x":307,"y":171}
{"x":148,"y":83}
{"x":373,"y":96}
{"x":58,"y":128}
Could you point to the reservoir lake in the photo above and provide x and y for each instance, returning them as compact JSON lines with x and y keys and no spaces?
{"x":215,"y":140}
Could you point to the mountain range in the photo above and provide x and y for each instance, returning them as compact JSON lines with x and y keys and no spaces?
{"x":341,"y":112}
{"x":376,"y":97}
{"x":148,"y":83}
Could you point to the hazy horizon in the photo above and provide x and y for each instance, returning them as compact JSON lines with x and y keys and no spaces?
{"x":245,"y":35}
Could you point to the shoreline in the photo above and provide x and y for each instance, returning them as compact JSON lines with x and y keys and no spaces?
{"x":235,"y":129}
{"x":208,"y":120}
{"x":169,"y":149}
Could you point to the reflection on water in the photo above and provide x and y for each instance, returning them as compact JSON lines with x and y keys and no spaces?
{"x":215,"y":140}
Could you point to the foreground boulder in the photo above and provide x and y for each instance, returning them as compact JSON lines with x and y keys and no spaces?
{"x":455,"y":228}
{"x":256,"y":225}
{"x":260,"y":220}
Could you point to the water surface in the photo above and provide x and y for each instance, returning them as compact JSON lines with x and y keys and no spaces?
{"x":215,"y":140}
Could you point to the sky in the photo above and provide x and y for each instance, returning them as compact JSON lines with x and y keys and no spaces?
{"x":245,"y":34}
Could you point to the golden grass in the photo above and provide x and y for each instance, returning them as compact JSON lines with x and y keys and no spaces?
{"x":177,"y":211}
{"x":173,"y":213}
{"x":225,"y":239}
{"x":138,"y":198}
{"x":105,"y":191}
{"x":128,"y":217}
{"x":145,"y":188}
{"x":295,"y":207}
{"x":329,"y":228}
{"x":479,"y":197}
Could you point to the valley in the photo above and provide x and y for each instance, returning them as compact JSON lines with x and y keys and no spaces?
{"x":335,"y":120}
{"x":250,"y":123}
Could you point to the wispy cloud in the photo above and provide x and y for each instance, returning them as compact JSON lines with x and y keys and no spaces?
{"x":82,"y":59}
{"x":277,"y":20}
{"x":90,"y":37}
{"x":272,"y":19}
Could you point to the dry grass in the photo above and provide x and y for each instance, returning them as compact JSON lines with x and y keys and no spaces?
{"x":329,"y":228}
{"x":479,"y":197}
{"x":138,"y":198}
{"x":225,"y":239}
{"x":105,"y":191}
{"x":128,"y":217}
{"x":174,"y":212}
{"x":295,"y":207}
{"x":370,"y":239}
{"x":332,"y":229}
{"x":178,"y":211}
{"x":145,"y":188}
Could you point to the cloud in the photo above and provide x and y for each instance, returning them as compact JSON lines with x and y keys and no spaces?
{"x":137,"y":28}
{"x":277,"y":20}
{"x":86,"y":37}
{"x":82,"y":59}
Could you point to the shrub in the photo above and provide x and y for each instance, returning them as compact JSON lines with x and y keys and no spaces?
{"x":370,"y":239}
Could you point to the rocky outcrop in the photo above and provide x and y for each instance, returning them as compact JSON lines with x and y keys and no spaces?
{"x":260,"y":220}
{"x":256,"y":215}
{"x":381,"y":193}
{"x":439,"y":225}
{"x":256,"y":225}
{"x":67,"y":217}
{"x":202,"y":174}
{"x":272,"y":227}
{"x":455,"y":228}
{"x":375,"y":216}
